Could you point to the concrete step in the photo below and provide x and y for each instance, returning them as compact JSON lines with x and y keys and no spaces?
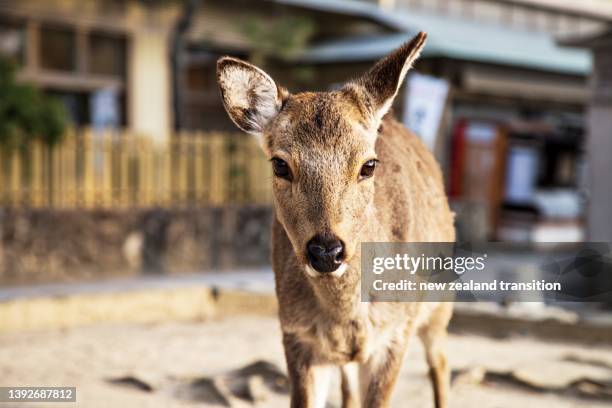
{"x":152,"y":299}
{"x":147,"y":299}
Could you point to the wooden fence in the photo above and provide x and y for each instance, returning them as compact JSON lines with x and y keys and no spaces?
{"x":110,"y":170}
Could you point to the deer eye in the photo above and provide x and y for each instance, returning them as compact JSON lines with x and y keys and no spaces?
{"x":367,"y":170}
{"x":281,"y":168}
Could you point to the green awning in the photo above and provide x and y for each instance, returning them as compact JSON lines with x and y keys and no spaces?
{"x":459,"y":39}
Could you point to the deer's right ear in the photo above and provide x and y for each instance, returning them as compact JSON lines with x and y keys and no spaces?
{"x":250,"y":96}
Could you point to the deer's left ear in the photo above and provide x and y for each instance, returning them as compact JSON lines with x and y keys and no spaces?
{"x":250,"y":96}
{"x":382,"y":82}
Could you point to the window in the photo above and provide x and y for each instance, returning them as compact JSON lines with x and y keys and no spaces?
{"x":202,"y":77}
{"x":57,"y":49}
{"x":12,"y":41}
{"x":107,"y":55}
{"x":201,"y":107}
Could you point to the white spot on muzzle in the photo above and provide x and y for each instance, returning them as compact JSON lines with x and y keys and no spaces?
{"x":340,"y":271}
{"x":336,"y":274}
{"x":311,"y":272}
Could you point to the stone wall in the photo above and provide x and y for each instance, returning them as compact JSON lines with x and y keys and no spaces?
{"x":70,"y":245}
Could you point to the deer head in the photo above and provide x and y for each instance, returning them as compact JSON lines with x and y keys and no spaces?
{"x":321,"y":147}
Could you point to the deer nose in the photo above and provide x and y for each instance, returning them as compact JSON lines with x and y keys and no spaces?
{"x":325,"y":253}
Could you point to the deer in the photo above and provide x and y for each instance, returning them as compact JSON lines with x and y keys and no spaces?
{"x":344,"y":172}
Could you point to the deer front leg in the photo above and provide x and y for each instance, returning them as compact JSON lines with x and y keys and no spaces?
{"x":379,"y":373}
{"x":309,"y":382}
{"x":351,"y":396}
{"x":433,"y":335}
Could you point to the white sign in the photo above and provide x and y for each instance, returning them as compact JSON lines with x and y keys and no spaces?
{"x":105,"y":109}
{"x":424,"y":105}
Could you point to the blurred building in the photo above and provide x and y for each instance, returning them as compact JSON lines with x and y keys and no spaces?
{"x":81,"y":49}
{"x":599,"y":141}
{"x":509,"y":127}
{"x":512,"y":133}
{"x":151,"y":61}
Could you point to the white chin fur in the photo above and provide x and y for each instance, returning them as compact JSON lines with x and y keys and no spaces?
{"x":336,"y":274}
{"x":340,"y":271}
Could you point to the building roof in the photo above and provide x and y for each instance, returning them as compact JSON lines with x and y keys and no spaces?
{"x":600,"y":10}
{"x":456,"y":38}
{"x":593,"y":9}
{"x":368,"y":11}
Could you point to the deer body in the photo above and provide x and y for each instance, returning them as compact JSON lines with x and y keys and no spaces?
{"x":324,"y":148}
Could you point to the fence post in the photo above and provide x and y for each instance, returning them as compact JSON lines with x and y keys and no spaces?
{"x":17,"y":187}
{"x":218,"y":170}
{"x":36,"y":181}
{"x":198,"y":173}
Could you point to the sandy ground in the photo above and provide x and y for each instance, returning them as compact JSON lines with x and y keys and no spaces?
{"x":172,"y":357}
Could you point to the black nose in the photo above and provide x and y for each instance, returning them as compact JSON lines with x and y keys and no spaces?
{"x":325,"y":253}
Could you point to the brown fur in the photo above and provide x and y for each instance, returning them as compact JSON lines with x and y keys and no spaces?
{"x":325,"y":138}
